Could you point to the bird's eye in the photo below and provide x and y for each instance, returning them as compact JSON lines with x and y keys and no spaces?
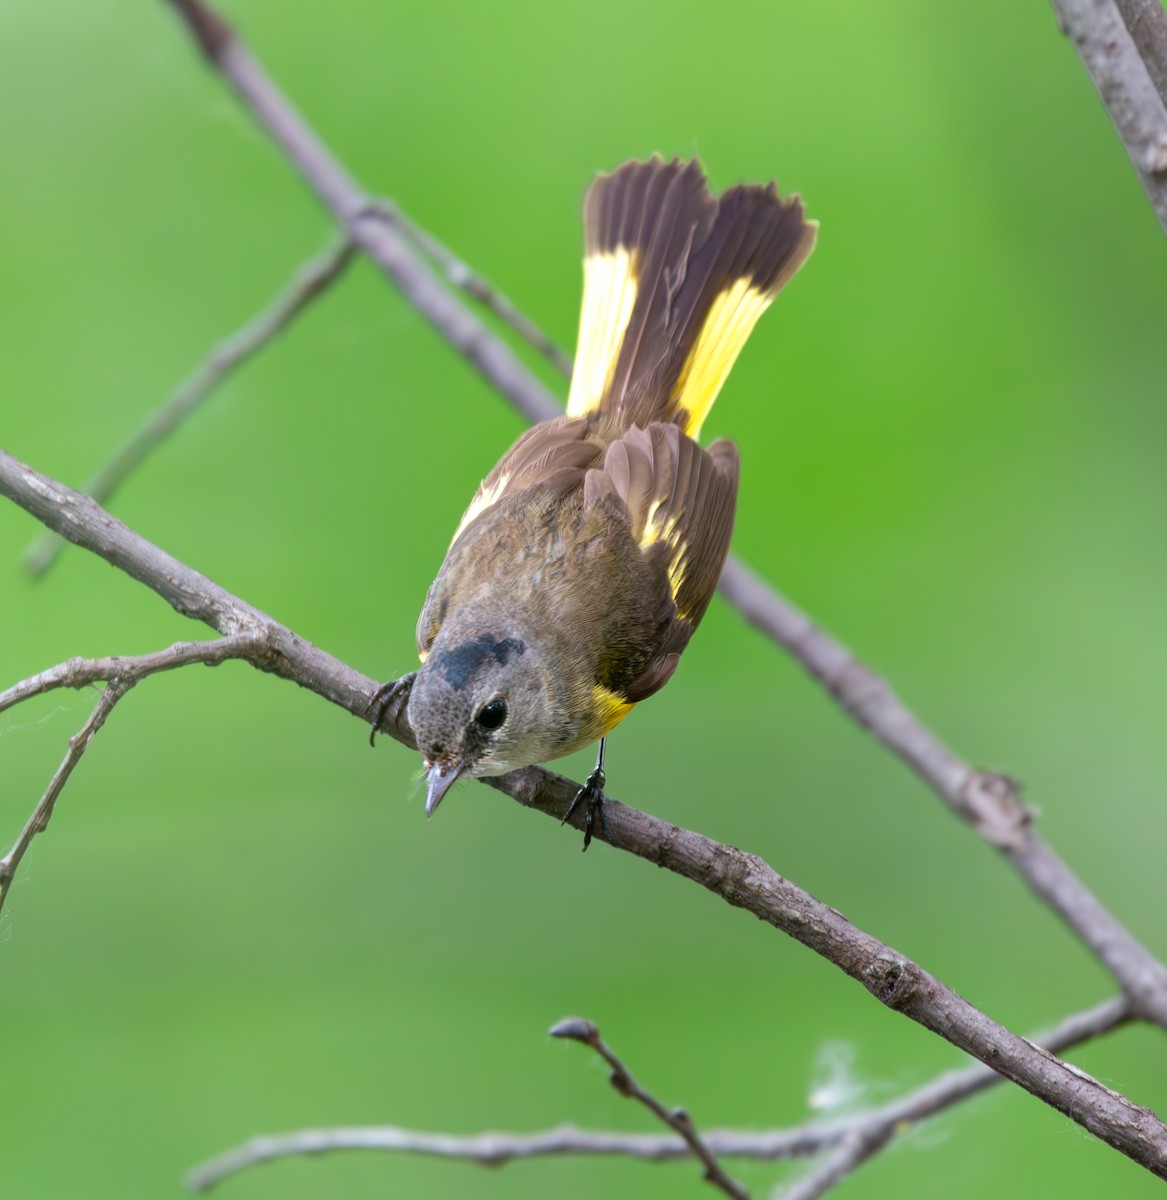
{"x":492,"y":714}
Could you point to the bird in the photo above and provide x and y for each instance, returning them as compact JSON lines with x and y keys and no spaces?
{"x":591,"y":551}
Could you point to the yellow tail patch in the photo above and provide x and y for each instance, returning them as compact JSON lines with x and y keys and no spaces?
{"x":732,"y":317}
{"x":610,"y":286}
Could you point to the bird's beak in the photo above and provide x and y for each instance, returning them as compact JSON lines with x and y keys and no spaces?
{"x":439,"y":779}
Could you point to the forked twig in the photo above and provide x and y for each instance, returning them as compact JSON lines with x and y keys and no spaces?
{"x":677,"y":1119}
{"x":462,"y":276}
{"x":872,"y":1128}
{"x":119,"y":675}
{"x":81,"y":672}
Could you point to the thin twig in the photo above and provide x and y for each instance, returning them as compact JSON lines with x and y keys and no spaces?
{"x":988,"y":801}
{"x":853,"y":1151}
{"x":81,"y":672}
{"x":466,"y":279}
{"x":1125,"y":86}
{"x":42,"y":814}
{"x":743,"y":880}
{"x":354,"y":210}
{"x":896,"y":1118}
{"x":677,"y":1119}
{"x":309,"y":281}
{"x":119,"y":674}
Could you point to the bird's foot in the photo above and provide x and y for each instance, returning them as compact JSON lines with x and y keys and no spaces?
{"x":385,"y":696}
{"x":592,"y":795}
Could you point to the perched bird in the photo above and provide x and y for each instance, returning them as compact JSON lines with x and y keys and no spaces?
{"x":590,"y":553}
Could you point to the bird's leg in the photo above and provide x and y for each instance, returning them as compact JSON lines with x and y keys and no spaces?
{"x":384,"y":696}
{"x":592,"y":793}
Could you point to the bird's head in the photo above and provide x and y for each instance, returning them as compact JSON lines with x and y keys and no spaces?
{"x":478,"y":706}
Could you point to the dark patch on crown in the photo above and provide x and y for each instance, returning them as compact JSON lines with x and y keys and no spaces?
{"x":461,"y":664}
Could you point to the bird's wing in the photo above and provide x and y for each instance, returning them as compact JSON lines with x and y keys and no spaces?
{"x":553,"y":454}
{"x":679,"y":502}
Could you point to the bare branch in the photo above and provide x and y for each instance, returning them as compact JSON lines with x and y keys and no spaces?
{"x":357,"y":213}
{"x":309,"y":281}
{"x":463,"y":277}
{"x":496,"y":1149}
{"x":81,"y":672}
{"x":862,"y":1137}
{"x":1146,"y":22}
{"x":854,"y":1150}
{"x":677,"y":1119}
{"x":120,"y":674}
{"x":987,"y":801}
{"x":482,"y":1149}
{"x":79,"y":519}
{"x":1121,"y":78}
{"x":43,"y":812}
{"x":741,"y":879}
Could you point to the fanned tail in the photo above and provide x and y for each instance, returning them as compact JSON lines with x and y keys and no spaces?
{"x":674,"y":281}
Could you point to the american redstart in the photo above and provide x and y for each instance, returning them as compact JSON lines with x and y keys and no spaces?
{"x":590,"y":553}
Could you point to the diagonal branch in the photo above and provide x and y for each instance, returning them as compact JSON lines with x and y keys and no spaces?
{"x":1146,"y":22}
{"x":987,"y":801}
{"x":742,"y":880}
{"x":466,"y":279}
{"x":889,"y":1121}
{"x":1124,"y":80}
{"x":357,"y":213}
{"x":79,"y":519}
{"x":312,"y":279}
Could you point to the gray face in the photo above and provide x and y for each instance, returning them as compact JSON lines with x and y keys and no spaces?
{"x":478,"y":707}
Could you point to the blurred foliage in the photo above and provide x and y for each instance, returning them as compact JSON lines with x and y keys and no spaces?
{"x":952,"y":429}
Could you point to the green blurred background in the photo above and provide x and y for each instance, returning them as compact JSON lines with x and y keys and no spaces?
{"x":952,"y":435}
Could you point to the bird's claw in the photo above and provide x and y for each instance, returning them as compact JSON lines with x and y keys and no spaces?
{"x":384,"y":696}
{"x":592,"y":794}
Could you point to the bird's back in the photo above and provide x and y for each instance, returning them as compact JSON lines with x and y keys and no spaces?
{"x":597,"y":541}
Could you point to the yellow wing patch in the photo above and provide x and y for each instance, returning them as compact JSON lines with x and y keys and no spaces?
{"x":610,"y":282}
{"x":732,"y":317}
{"x":669,"y":532}
{"x":485,"y":497}
{"x":611,"y":708}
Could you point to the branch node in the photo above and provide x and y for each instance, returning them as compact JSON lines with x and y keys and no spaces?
{"x":893,"y":980}
{"x":991,"y":802}
{"x":210,"y":30}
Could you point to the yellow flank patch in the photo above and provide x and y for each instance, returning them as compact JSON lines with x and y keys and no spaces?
{"x":608,"y":296}
{"x":732,"y":316}
{"x":485,"y":497}
{"x":611,"y":707}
